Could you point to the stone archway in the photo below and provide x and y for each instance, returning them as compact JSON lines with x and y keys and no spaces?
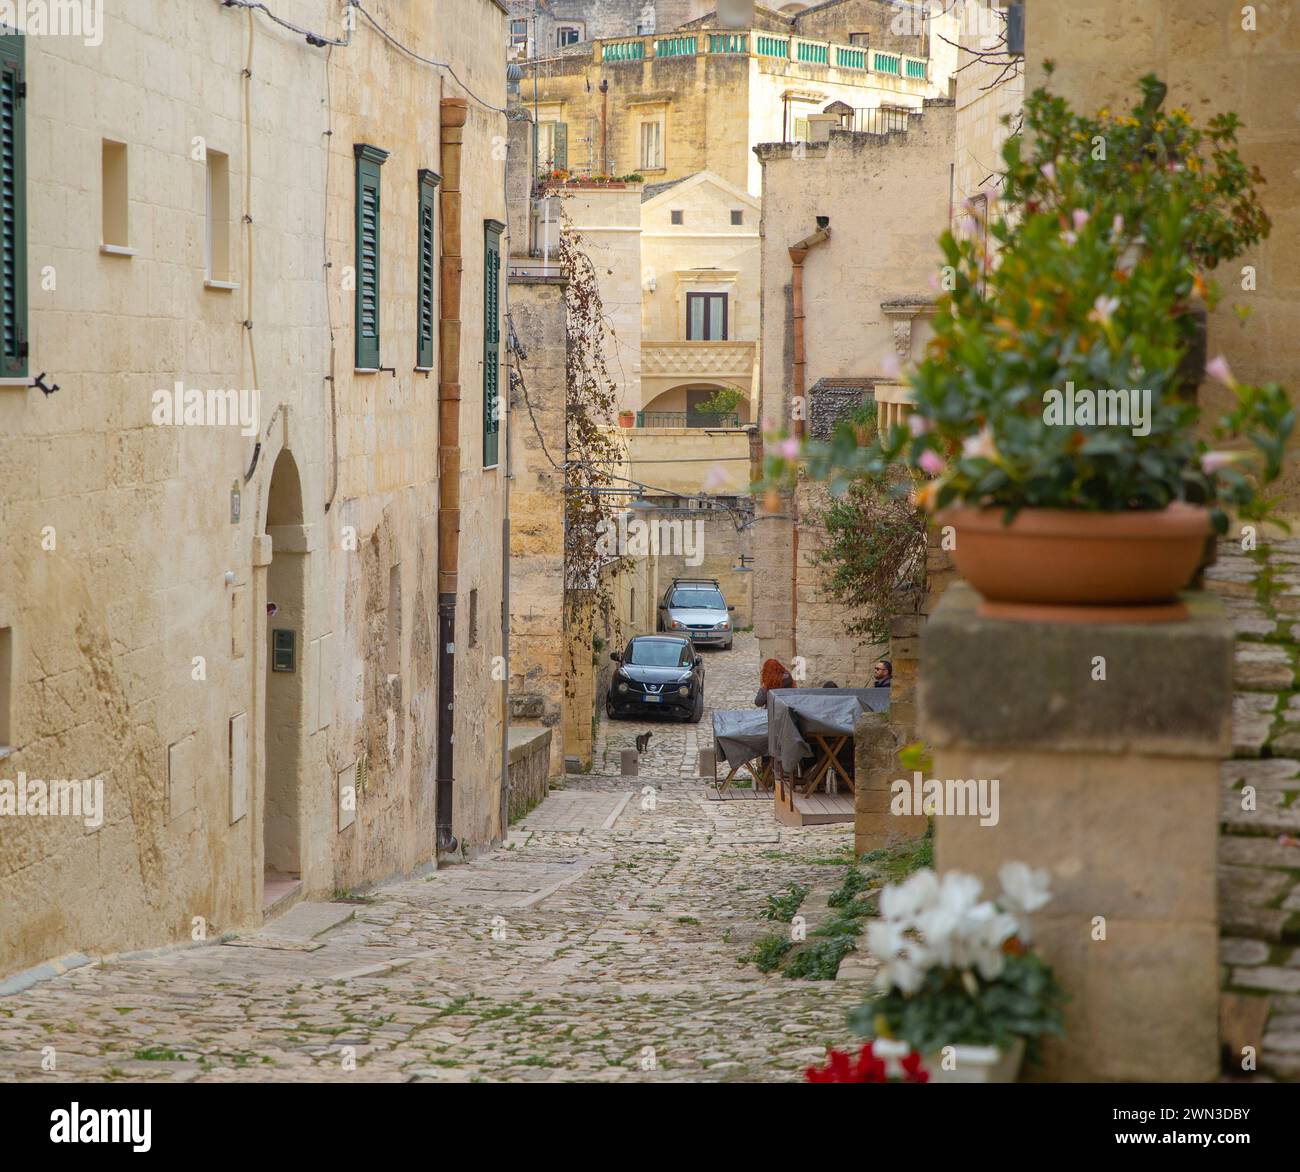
{"x":283,"y":712}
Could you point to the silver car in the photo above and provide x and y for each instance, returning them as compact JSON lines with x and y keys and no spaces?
{"x":695,"y":607}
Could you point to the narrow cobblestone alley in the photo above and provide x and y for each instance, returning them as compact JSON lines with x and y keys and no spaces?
{"x":600,"y":942}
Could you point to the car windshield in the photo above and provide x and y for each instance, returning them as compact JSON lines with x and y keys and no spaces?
{"x":658,"y":653}
{"x":698,"y":598}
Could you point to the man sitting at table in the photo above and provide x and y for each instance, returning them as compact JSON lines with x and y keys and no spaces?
{"x":883,"y":672}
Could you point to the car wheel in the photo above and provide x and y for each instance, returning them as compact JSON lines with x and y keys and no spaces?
{"x":727,"y":645}
{"x":698,"y":711}
{"x":609,"y":709}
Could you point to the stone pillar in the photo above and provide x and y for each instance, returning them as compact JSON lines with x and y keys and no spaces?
{"x":875,"y":768}
{"x":1112,"y":786}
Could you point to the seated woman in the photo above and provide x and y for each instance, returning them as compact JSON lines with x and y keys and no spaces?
{"x":774,"y":674}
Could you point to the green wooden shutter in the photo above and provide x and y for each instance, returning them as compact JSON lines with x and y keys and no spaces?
{"x":561,"y":146}
{"x":369,"y":160}
{"x":13,"y":205}
{"x":491,"y":341}
{"x":425,"y":324}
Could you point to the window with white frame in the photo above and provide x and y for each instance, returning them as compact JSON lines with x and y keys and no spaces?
{"x":652,"y":145}
{"x":519,"y":33}
{"x":567,"y":34}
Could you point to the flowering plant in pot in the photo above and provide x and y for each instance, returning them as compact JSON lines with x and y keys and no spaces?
{"x":958,"y":981}
{"x":1054,"y":425}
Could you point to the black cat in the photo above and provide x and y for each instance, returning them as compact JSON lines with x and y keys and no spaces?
{"x":642,"y":741}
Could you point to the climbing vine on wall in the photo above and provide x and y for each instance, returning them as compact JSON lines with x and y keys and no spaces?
{"x":592,"y":453}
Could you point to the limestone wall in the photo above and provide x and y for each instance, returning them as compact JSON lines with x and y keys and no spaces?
{"x":1212,"y":64}
{"x":887,"y":200}
{"x":140,"y":629}
{"x":537,"y":661}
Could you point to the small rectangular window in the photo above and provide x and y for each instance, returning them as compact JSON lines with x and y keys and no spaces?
{"x":6,"y":686}
{"x":473,"y":617}
{"x":115,"y":230}
{"x":369,"y":160}
{"x":426,"y":290}
{"x":863,"y":39}
{"x":519,"y":32}
{"x":393,"y":650}
{"x":737,"y":215}
{"x":706,"y":317}
{"x":652,"y":145}
{"x":675,"y":216}
{"x":566,"y":36}
{"x":218,"y":245}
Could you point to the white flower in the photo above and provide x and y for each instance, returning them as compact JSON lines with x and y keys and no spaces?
{"x":1024,"y":890}
{"x":885,"y":939}
{"x":903,"y":901}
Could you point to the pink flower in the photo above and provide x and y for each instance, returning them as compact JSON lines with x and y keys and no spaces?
{"x":1212,"y":462}
{"x":918,"y":424}
{"x":1103,"y":308}
{"x":1218,"y":370}
{"x":1049,"y":172}
{"x":890,"y":366}
{"x":790,"y":448}
{"x":980,"y":446}
{"x":1117,"y":224}
{"x":1080,"y":217}
{"x":930,"y":462}
{"x":715,"y":478}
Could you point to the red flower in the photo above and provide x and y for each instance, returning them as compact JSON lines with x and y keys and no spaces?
{"x":840,"y":1067}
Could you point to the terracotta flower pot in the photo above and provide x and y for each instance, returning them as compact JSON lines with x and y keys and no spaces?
{"x":627,"y":419}
{"x":1063,"y":565}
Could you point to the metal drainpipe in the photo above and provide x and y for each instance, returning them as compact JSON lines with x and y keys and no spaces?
{"x":798,"y":254}
{"x":454,"y":113}
{"x":604,"y":126}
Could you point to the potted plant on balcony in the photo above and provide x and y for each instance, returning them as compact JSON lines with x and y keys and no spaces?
{"x":959,"y":983}
{"x":627,"y":419}
{"x":1052,"y":414}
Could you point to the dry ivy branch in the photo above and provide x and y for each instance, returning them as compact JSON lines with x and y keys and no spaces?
{"x":591,"y":405}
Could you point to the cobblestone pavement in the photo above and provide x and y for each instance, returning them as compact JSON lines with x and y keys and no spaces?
{"x":600,"y":942}
{"x":1259,"y":844}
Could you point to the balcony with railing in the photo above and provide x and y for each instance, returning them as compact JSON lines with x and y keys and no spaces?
{"x":853,"y":63}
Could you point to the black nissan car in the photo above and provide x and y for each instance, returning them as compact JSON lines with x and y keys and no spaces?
{"x":657,"y":673}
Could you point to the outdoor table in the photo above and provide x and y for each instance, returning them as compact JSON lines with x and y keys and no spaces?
{"x":740,"y":735}
{"x":816,"y":722}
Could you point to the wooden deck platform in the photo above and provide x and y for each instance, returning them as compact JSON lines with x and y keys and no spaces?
{"x":811,"y":810}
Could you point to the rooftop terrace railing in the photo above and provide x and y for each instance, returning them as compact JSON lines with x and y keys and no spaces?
{"x":851,"y":59}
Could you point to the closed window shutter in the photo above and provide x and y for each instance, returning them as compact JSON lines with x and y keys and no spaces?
{"x":561,"y":146}
{"x":13,"y":206}
{"x":491,"y":342}
{"x":369,"y":160}
{"x":428,"y":266}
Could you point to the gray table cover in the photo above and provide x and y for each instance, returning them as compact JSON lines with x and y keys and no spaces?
{"x":740,"y":735}
{"x":791,"y":712}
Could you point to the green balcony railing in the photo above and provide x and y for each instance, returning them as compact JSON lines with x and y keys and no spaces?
{"x":687,"y":419}
{"x":728,"y":43}
{"x":771,"y":46}
{"x":914,"y":69}
{"x":812,"y":53}
{"x":675,"y":47}
{"x":623,"y":51}
{"x":886,"y":62}
{"x":850,"y":58}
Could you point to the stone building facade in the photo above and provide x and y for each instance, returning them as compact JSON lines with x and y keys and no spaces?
{"x":235,"y":626}
{"x":866,"y":292}
{"x":701,"y":97}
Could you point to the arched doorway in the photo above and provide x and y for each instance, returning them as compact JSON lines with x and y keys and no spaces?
{"x":285,"y":626}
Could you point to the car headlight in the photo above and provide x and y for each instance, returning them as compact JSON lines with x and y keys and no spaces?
{"x":678,"y":626}
{"x":722,"y":626}
{"x":622,"y":687}
{"x":684,"y":690}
